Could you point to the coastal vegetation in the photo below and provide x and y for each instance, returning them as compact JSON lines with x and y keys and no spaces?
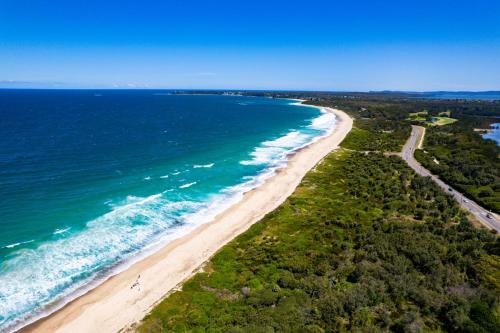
{"x":464,"y":160}
{"x":418,"y":116}
{"x":455,"y":152}
{"x":364,"y":245}
{"x":377,"y":135}
{"x":376,"y":127}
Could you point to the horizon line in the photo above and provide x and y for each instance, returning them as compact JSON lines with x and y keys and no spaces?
{"x":258,"y":90}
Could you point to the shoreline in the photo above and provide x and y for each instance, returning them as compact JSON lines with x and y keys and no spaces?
{"x":114,"y":305}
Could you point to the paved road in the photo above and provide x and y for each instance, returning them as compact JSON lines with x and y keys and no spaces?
{"x":415,"y":142}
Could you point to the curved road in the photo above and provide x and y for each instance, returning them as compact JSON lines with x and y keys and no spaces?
{"x":490,"y":220}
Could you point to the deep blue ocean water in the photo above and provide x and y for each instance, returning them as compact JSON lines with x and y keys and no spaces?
{"x":92,"y":180}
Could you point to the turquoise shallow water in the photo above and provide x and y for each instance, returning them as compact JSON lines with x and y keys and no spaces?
{"x":93,"y":180}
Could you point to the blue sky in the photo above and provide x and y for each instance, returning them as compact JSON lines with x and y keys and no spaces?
{"x":313,"y":45}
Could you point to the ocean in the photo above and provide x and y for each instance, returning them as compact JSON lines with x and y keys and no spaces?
{"x":91,"y":181}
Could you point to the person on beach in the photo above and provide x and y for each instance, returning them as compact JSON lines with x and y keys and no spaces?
{"x":136,"y":283}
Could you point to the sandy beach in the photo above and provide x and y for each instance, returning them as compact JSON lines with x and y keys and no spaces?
{"x":126,"y":298}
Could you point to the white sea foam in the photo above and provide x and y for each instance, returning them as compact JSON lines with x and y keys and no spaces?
{"x":187,"y":185}
{"x":265,"y":155}
{"x":276,"y":150}
{"x":290,"y":140}
{"x":132,"y":200}
{"x":62,"y":266}
{"x":147,"y":178}
{"x":164,"y":177}
{"x":10,"y":246}
{"x":140,"y":201}
{"x":176,"y":173}
{"x":60,"y":231}
{"x":274,"y":153}
{"x":324,"y":122}
{"x":197,"y":166}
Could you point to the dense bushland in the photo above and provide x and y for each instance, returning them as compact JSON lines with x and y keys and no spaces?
{"x":463,"y":159}
{"x":363,"y":245}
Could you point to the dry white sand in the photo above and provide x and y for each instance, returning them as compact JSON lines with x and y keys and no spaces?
{"x":113,"y":305}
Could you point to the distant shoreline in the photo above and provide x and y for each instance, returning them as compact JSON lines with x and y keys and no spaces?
{"x":126,"y":298}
